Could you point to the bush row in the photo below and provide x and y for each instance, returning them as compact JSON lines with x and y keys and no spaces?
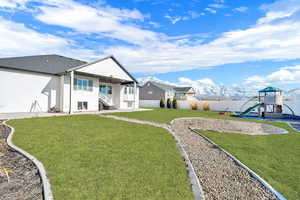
{"x":170,"y":103}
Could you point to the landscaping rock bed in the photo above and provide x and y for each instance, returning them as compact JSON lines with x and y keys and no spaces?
{"x":233,"y":126}
{"x":24,"y":179}
{"x":219,"y":175}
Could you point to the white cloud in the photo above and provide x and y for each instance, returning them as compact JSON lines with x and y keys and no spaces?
{"x":17,"y":39}
{"x":217,"y":5}
{"x":13,"y":3}
{"x":153,"y":52}
{"x":241,"y":9}
{"x":284,"y":76}
{"x":210,"y":10}
{"x":105,"y":20}
{"x":173,"y":20}
{"x":280,"y":9}
{"x":154,"y":24}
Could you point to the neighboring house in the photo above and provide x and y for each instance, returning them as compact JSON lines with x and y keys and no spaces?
{"x":184,"y":93}
{"x":61,"y":84}
{"x":155,"y":91}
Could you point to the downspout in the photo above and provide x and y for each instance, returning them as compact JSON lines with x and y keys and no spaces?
{"x":71,"y":92}
{"x":134,"y":94}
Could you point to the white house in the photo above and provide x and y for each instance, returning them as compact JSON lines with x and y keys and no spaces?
{"x":60,"y":84}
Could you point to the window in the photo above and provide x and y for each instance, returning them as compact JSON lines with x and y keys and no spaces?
{"x":82,"y":105}
{"x":150,"y":92}
{"x":83,"y":84}
{"x":105,"y":89}
{"x":129,"y":90}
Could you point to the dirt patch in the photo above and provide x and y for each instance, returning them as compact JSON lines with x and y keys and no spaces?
{"x":23,"y":181}
{"x":233,"y":126}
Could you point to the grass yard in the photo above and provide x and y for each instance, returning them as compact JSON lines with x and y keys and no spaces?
{"x":274,"y":157}
{"x":89,"y":157}
{"x":167,"y":115}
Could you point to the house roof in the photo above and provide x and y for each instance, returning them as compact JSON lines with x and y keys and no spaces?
{"x":182,"y":89}
{"x":270,"y":89}
{"x":163,"y":86}
{"x":50,"y":64}
{"x":170,"y":87}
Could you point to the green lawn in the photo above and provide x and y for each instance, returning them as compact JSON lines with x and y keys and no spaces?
{"x":89,"y":157}
{"x":274,"y":157}
{"x":167,"y":115}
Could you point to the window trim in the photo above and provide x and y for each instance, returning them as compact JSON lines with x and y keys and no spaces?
{"x":83,"y":84}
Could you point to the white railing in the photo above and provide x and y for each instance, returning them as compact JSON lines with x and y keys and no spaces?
{"x":128,"y":97}
{"x":106,"y":98}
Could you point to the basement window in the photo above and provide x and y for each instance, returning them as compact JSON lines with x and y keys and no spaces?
{"x":82,"y":105}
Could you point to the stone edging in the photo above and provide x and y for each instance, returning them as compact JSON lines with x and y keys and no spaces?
{"x":196,"y":186}
{"x":253,"y":174}
{"x":47,"y":193}
{"x":290,"y":125}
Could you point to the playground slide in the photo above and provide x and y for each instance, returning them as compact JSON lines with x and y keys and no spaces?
{"x":244,"y":104}
{"x":293,"y":113}
{"x":251,"y":108}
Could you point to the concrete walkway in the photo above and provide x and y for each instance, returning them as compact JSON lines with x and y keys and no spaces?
{"x":6,"y":116}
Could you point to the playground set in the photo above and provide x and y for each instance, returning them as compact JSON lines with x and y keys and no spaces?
{"x":268,"y":106}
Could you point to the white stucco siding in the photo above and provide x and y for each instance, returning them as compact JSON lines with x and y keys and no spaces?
{"x":127,"y":100}
{"x":81,"y":95}
{"x":19,"y":90}
{"x":108,"y":68}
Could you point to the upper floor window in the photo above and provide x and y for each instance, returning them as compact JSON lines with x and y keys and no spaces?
{"x":105,"y":89}
{"x":83,"y":84}
{"x":129,"y":90}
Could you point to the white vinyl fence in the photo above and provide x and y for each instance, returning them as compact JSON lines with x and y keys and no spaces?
{"x":224,"y":105}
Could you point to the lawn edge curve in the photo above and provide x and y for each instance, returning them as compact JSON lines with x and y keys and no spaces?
{"x":47,"y":193}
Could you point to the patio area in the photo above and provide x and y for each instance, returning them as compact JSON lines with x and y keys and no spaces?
{"x":23,"y":115}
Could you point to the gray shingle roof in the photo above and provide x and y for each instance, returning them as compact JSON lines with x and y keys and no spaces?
{"x":163,"y":86}
{"x":50,"y":64}
{"x":182,"y":89}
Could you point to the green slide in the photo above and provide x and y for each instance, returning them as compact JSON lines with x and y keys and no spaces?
{"x":251,"y":108}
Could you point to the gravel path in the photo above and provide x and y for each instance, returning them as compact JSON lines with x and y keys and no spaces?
{"x":25,"y":182}
{"x":219,"y":175}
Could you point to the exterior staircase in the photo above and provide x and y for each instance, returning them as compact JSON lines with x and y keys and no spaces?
{"x":106,"y":102}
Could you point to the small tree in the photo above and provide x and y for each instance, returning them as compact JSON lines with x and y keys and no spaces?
{"x":194,"y":106}
{"x":206,"y":106}
{"x":162,"y":103}
{"x":169,"y":103}
{"x":174,"y":103}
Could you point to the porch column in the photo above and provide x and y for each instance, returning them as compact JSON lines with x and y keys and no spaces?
{"x":134,"y":94}
{"x":71,"y":92}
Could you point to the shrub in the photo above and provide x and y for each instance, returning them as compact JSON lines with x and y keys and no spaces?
{"x":206,"y":106}
{"x":174,"y":104}
{"x":162,"y":103}
{"x":169,"y":103}
{"x":194,"y":106}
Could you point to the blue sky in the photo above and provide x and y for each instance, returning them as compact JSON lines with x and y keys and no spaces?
{"x":250,"y":44}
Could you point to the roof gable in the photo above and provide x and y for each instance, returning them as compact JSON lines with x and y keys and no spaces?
{"x":108,"y":67}
{"x":51,"y":64}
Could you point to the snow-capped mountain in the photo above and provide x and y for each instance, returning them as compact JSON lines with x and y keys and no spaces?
{"x":206,"y":88}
